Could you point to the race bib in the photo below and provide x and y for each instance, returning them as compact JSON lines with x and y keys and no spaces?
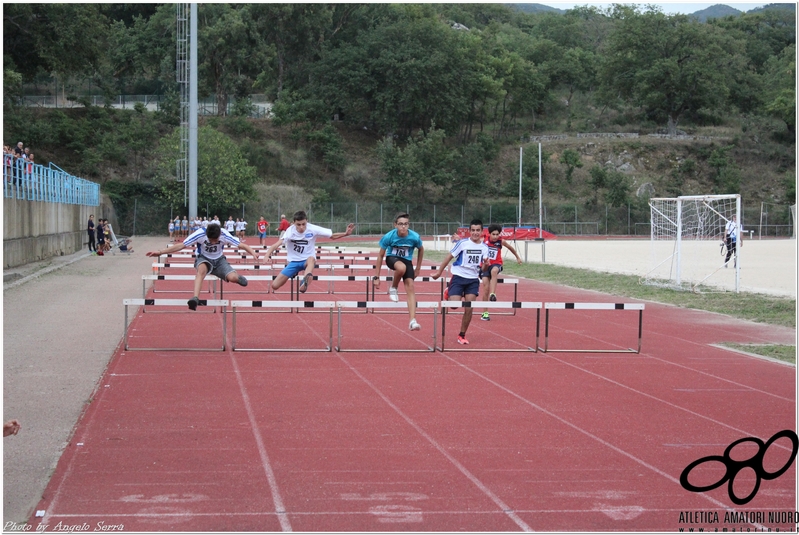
{"x":401,"y":251}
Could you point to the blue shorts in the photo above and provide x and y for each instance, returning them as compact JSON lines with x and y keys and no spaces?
{"x":487,"y":274}
{"x":292,"y":268}
{"x":463,"y":287}
{"x":262,"y":234}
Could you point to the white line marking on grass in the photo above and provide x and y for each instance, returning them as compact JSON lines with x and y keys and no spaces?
{"x":591,"y":435}
{"x":471,"y":477}
{"x":280,"y":509}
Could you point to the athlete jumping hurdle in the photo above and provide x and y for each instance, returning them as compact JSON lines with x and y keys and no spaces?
{"x":300,"y":240}
{"x":397,"y":246}
{"x":210,"y":243}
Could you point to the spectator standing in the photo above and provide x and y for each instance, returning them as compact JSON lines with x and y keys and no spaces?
{"x":262,"y":226}
{"x":283,"y":226}
{"x":731,"y":235}
{"x":184,"y":227}
{"x":100,"y":238}
{"x":230,"y":225}
{"x":243,"y":228}
{"x":171,"y":231}
{"x":90,"y":230}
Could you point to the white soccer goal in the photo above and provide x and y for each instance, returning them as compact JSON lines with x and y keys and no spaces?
{"x":688,"y":242}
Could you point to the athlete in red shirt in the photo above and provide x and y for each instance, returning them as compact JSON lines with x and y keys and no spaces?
{"x":489,"y":278}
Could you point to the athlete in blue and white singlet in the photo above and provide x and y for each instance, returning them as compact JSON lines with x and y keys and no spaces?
{"x":300,"y":240}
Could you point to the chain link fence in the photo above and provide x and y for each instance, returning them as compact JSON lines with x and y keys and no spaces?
{"x":144,"y":216}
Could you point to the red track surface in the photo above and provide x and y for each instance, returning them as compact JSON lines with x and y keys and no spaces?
{"x":375,"y":441}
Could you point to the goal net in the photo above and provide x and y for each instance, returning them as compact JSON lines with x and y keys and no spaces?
{"x":688,"y":242}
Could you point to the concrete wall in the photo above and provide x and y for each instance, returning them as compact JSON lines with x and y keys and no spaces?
{"x":34,"y":231}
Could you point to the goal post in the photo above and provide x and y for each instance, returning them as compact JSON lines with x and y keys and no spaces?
{"x":683,"y":230}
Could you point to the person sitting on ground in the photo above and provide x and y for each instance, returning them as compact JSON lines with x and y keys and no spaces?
{"x":300,"y":239}
{"x":210,"y":245}
{"x":397,"y":246}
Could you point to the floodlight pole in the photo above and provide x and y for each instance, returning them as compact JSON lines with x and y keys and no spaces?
{"x":193,"y":113}
{"x":521,"y":152}
{"x":540,"y":191}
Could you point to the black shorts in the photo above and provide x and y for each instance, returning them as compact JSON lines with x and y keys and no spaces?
{"x":487,"y":274}
{"x":391,"y":262}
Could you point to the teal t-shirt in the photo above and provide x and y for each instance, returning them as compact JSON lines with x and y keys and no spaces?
{"x":401,"y":247}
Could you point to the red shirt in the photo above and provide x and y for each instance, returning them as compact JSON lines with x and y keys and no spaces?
{"x":284,"y":225}
{"x":262,"y":226}
{"x":494,"y":251}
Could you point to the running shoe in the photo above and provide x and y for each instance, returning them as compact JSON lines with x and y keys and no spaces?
{"x":492,"y":297}
{"x":243,"y":280}
{"x":392,"y":294}
{"x":193,"y":302}
{"x":414,"y":326}
{"x":306,"y":281}
{"x":463,"y":341}
{"x":485,"y":317}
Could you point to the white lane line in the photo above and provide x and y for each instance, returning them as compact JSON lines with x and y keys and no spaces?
{"x":471,"y":477}
{"x":592,"y":436}
{"x":280,"y":509}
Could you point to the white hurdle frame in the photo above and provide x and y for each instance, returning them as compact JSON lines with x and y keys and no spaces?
{"x":211,"y":279}
{"x":173,"y":302}
{"x":283,"y":304}
{"x":593,"y":306}
{"x":392,"y":305}
{"x":490,"y":304}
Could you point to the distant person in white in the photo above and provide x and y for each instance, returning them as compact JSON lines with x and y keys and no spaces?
{"x":731,"y":232}
{"x":300,"y":240}
{"x":210,"y":245}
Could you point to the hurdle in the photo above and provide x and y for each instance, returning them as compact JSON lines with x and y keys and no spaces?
{"x":493,"y":305}
{"x":391,"y":305}
{"x":390,"y":278}
{"x":235,"y":305}
{"x":172,"y":302}
{"x":210,"y":279}
{"x":592,"y":306}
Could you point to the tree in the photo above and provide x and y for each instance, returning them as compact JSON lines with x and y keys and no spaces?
{"x":780,"y":98}
{"x":224,"y":179}
{"x":666,"y":64}
{"x":398,"y":76}
{"x":571,"y":159}
{"x":68,"y":39}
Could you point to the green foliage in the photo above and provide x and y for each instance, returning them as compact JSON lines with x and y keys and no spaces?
{"x":667,"y":64}
{"x":224,"y":178}
{"x":571,"y":159}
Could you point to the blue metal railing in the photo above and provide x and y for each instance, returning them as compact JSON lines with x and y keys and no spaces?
{"x":29,"y":181}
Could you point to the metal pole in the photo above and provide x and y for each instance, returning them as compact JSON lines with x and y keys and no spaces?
{"x":135,"y":203}
{"x":540,"y":195}
{"x":521,"y":155}
{"x":193,"y":113}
